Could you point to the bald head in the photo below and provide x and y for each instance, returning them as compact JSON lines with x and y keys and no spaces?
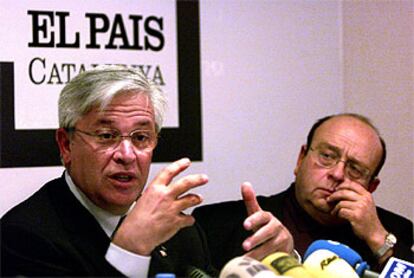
{"x":354,"y":123}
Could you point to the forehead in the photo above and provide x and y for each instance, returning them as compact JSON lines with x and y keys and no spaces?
{"x":354,"y":137}
{"x":127,"y":107}
{"x":130,"y":99}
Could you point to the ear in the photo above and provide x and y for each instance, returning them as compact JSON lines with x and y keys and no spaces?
{"x":372,"y":186}
{"x":301,"y":156}
{"x":63,"y":140}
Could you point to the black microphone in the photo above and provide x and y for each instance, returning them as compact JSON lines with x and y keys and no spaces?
{"x":194,"y":272}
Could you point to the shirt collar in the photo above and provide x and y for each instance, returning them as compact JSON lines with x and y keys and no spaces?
{"x":108,"y":221}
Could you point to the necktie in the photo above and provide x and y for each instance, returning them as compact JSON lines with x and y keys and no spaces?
{"x":118,"y":225}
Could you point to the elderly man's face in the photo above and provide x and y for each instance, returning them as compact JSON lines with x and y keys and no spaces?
{"x":347,"y":139}
{"x":111,"y":176}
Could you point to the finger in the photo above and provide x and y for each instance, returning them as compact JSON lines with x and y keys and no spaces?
{"x":188,"y":201}
{"x":264,"y":250}
{"x":186,"y":183}
{"x":355,"y":187}
{"x":346,"y":213}
{"x":185,"y":220}
{"x":341,"y":205}
{"x":257,"y":220}
{"x":166,"y":175}
{"x":260,"y":236}
{"x":249,"y":197}
{"x":343,"y":194}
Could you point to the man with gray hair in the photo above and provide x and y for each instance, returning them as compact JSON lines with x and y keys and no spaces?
{"x":109,"y":120}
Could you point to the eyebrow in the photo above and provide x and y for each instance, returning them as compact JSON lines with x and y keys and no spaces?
{"x":329,"y":146}
{"x":104,"y":122}
{"x":339,"y":151}
{"x":110,"y":123}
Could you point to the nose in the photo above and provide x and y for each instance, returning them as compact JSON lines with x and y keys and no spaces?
{"x":124,"y":153}
{"x":337,"y":172}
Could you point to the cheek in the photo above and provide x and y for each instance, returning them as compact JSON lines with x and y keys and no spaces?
{"x":144,"y":160}
{"x":309,"y":177}
{"x":88,"y":163}
{"x":304,"y":174}
{"x":310,"y":171}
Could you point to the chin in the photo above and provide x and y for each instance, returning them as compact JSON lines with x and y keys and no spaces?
{"x":322,"y":206}
{"x":121,"y":200}
{"x":325,"y":217}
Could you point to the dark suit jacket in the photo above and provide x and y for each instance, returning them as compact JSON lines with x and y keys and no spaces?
{"x":52,"y":234}
{"x":223,"y":226}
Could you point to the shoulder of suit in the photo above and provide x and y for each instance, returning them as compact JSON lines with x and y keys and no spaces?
{"x":389,"y":216}
{"x":30,"y":208}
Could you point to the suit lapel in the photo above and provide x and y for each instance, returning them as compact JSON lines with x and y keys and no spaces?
{"x":84,"y":232}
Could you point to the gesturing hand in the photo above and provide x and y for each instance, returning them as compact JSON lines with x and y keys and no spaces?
{"x":157,"y":215}
{"x":270,"y":235}
{"x":356,"y":205}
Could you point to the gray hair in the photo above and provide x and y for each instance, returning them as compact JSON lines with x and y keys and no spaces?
{"x":97,"y":87}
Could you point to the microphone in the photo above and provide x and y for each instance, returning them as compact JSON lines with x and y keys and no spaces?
{"x":324,"y":263}
{"x":282,"y":263}
{"x":397,"y":268}
{"x":245,"y":267}
{"x":194,"y":272}
{"x":165,"y":275}
{"x":344,"y":252}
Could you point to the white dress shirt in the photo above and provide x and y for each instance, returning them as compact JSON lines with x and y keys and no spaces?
{"x":128,"y":263}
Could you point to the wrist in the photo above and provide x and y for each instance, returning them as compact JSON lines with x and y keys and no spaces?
{"x":388,"y":244}
{"x":376,"y":240}
{"x":143,"y":249}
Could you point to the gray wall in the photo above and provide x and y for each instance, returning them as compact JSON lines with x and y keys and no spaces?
{"x":379,"y":82}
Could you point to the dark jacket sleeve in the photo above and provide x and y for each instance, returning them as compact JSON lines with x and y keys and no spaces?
{"x":223,"y":226}
{"x":25,"y":252}
{"x":402,"y":228}
{"x":184,"y":252}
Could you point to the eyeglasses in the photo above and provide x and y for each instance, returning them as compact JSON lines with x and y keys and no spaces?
{"x":108,"y":138}
{"x":328,"y":158}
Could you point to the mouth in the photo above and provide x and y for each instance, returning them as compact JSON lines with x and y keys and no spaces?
{"x":123,"y":179}
{"x":327,"y":191}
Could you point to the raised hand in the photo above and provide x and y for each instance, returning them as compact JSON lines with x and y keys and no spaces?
{"x":157,"y":215}
{"x":270,"y":235}
{"x":355,"y":204}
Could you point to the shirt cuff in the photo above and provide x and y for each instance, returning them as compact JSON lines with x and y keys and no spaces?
{"x":128,"y":263}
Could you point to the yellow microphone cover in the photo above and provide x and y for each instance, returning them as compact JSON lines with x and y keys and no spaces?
{"x":282,"y":263}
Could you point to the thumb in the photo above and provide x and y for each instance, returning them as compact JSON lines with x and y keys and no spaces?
{"x":249,"y":198}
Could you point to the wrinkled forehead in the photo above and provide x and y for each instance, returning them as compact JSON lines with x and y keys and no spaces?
{"x":127,"y":97}
{"x":353,"y":137}
{"x":121,"y":109}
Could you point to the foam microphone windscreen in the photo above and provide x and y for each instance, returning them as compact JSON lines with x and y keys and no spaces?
{"x":282,"y":263}
{"x":326,"y":264}
{"x":245,"y":267}
{"x":343,"y":251}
